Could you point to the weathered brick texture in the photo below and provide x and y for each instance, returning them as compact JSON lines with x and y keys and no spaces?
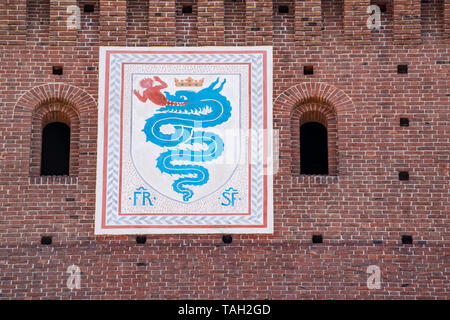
{"x":447,"y":21}
{"x":308,"y":22}
{"x":407,"y":21}
{"x":63,"y":22}
{"x":258,"y":22}
{"x":138,"y":23}
{"x":361,"y":208}
{"x":13,"y":22}
{"x":113,"y":22}
{"x":211,"y":23}
{"x":186,"y":23}
{"x":234,"y":22}
{"x":161,"y":22}
{"x":355,"y":21}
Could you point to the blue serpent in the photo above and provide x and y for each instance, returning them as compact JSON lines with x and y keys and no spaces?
{"x":196,"y":110}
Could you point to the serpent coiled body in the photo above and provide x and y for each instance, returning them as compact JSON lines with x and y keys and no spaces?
{"x":188,"y":113}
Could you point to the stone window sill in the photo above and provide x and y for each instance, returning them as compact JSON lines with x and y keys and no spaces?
{"x":63,"y":180}
{"x":315,"y":179}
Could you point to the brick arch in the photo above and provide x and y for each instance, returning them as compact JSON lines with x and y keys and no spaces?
{"x":56,"y":111}
{"x":305,"y":102}
{"x":61,"y":92}
{"x":54,"y":102}
{"x":313,"y":111}
{"x":314,"y":92}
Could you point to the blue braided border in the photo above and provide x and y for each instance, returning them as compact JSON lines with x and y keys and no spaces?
{"x":112,"y":187}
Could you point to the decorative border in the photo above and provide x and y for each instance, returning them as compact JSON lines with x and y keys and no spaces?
{"x":120,"y":212}
{"x":108,"y":163}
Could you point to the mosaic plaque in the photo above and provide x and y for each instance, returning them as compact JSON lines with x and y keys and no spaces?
{"x":184,"y":140}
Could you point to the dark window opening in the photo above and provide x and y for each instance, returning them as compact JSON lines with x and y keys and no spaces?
{"x":404,"y":122}
{"x":227,"y":238}
{"x":402,"y":68}
{"x":186,"y":9}
{"x":141,"y":239}
{"x":403,"y":175}
{"x":46,"y":240}
{"x":55,"y":149}
{"x":308,"y":70}
{"x":317,"y":238}
{"x":58,"y":70}
{"x":141,"y":264}
{"x":313,"y":149}
{"x":407,"y":239}
{"x":88,"y":8}
{"x":283,"y":9}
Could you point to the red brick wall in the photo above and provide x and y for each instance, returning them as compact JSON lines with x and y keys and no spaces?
{"x":137,"y":23}
{"x":13,"y":27}
{"x":355,"y":25}
{"x":407,"y":21}
{"x":162,"y":28}
{"x":210,"y":22}
{"x":355,"y":72}
{"x":258,"y":19}
{"x":308,"y":22}
{"x":59,"y":34}
{"x":447,"y":21}
{"x":37,"y":21}
{"x":234,"y":22}
{"x":186,"y":23}
{"x":113,"y":22}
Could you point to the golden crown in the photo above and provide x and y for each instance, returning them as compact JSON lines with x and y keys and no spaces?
{"x":189,"y":82}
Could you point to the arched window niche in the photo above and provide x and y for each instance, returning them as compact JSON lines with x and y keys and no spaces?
{"x":55,"y":140}
{"x":314,"y":139}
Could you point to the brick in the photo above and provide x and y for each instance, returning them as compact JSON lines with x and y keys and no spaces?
{"x":355,"y":91}
{"x":186,"y":24}
{"x":113,"y":22}
{"x":62,"y":21}
{"x":211,"y":23}
{"x":138,"y":23}
{"x":355,"y":21}
{"x":258,"y":22}
{"x":13,"y":19}
{"x":308,"y":22}
{"x":447,"y":20}
{"x":407,"y":21}
{"x":161,"y":23}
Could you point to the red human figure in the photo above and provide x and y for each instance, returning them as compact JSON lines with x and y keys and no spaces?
{"x":152,"y":93}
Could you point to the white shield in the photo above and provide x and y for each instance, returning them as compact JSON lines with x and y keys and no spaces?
{"x":186,"y":132}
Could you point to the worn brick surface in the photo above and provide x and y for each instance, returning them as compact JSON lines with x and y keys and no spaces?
{"x":407,"y":21}
{"x":355,"y":90}
{"x":308,"y":22}
{"x":60,"y":12}
{"x":355,"y":21}
{"x":13,"y":22}
{"x":211,"y":23}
